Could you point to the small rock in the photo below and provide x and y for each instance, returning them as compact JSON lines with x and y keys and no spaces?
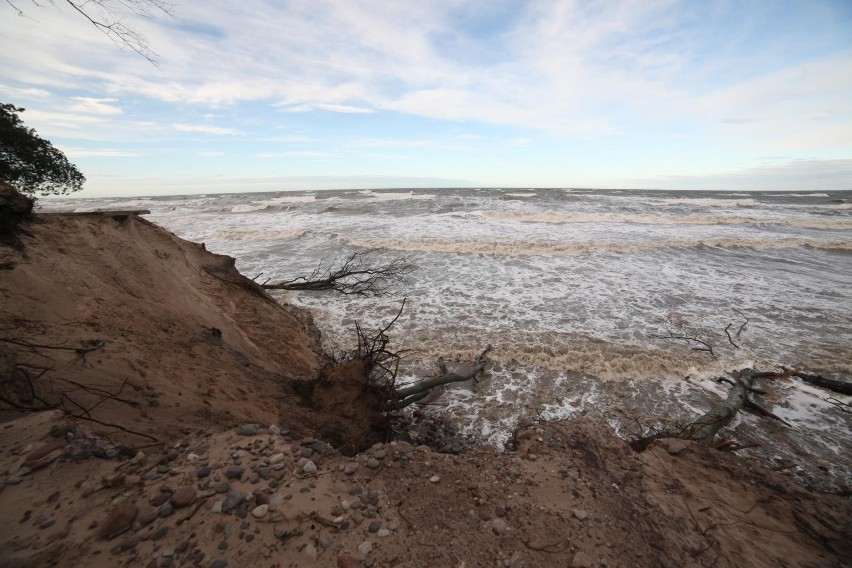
{"x":203,"y":472}
{"x":373,"y":463}
{"x":219,"y":563}
{"x":274,"y":430}
{"x":824,"y":465}
{"x":582,"y":560}
{"x":380,"y":454}
{"x":233,"y":501}
{"x":247,"y":430}
{"x":167,"y":510}
{"x":118,"y":520}
{"x":347,"y":561}
{"x":434,"y":479}
{"x":234,"y":471}
{"x":217,"y":507}
{"x":148,"y":517}
{"x":260,"y":511}
{"x":310,"y":551}
{"x":384,"y":533}
{"x":183,"y":497}
{"x":276,"y":458}
{"x":580,"y":514}
{"x":674,"y":445}
{"x":351,"y":468}
{"x":365,"y":548}
{"x":310,"y":467}
{"x":222,"y":487}
{"x":374,"y":527}
{"x":499,"y":526}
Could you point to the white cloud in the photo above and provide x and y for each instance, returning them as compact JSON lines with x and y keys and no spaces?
{"x":293,"y":154}
{"x":210,"y":154}
{"x":205,"y":129}
{"x":23,"y":93}
{"x":99,"y":153}
{"x":90,"y":105}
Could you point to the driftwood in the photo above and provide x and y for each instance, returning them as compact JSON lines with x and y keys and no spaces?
{"x":418,"y":391}
{"x":833,"y":384}
{"x":705,"y":428}
{"x":357,"y":274}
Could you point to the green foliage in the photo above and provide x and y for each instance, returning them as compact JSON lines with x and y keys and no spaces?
{"x":30,"y":163}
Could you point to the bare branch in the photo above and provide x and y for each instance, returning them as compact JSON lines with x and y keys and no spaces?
{"x":357,"y":275}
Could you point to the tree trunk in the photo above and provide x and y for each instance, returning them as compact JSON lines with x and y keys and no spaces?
{"x":705,"y":428}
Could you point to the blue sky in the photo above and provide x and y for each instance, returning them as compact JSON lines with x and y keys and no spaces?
{"x":312,"y":94}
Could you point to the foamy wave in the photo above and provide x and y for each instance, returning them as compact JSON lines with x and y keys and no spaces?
{"x":292,"y":199}
{"x":391,"y":196}
{"x":520,"y":248}
{"x":249,"y":208}
{"x":521,"y":195}
{"x":565,"y":217}
{"x":257,"y":235}
{"x":797,"y":195}
{"x":709,"y":202}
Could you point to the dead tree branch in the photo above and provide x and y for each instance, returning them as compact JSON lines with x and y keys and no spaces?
{"x":409,"y":395}
{"x":110,"y":17}
{"x":357,"y":275}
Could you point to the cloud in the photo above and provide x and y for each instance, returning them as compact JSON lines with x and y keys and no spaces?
{"x":205,"y":129}
{"x":210,"y":154}
{"x":293,"y":154}
{"x":89,"y":105}
{"x":345,"y":109}
{"x":23,"y":93}
{"x":99,"y":153}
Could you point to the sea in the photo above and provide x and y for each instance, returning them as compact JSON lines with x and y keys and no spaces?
{"x":599,"y":302}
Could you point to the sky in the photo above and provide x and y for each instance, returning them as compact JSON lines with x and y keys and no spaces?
{"x":265,"y":95}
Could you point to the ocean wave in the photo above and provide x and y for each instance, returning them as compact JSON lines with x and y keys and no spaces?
{"x":258,"y":235}
{"x":393,"y":196}
{"x":250,"y":207}
{"x":695,"y":219}
{"x":709,"y":202}
{"x":522,"y":248}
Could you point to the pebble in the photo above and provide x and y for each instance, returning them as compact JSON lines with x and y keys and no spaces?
{"x":167,"y":510}
{"x":384,"y":533}
{"x":274,"y":430}
{"x":499,"y":526}
{"x":351,"y":468}
{"x":233,"y":501}
{"x":219,"y":563}
{"x":824,"y":464}
{"x":365,"y":548}
{"x":434,"y":479}
{"x":222,"y":487}
{"x":310,"y":468}
{"x":118,"y":520}
{"x":234,"y":471}
{"x":203,"y":472}
{"x":310,"y":551}
{"x":374,"y":527}
{"x":372,"y":463}
{"x":260,"y":511}
{"x":580,"y":514}
{"x":247,"y":430}
{"x":217,"y":507}
{"x":183,"y":497}
{"x":148,"y":517}
{"x":380,"y":454}
{"x":582,"y":560}
{"x":276,"y":458}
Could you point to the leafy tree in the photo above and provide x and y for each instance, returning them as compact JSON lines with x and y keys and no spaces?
{"x":30,"y":163}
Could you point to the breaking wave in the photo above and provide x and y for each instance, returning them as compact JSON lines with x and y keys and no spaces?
{"x":564,"y":218}
{"x":520,"y":248}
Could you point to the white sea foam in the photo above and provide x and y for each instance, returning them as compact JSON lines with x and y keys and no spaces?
{"x":259,"y":235}
{"x":248,"y":208}
{"x":709,"y":202}
{"x":395,"y":196}
{"x":521,"y":248}
{"x":557,"y":217}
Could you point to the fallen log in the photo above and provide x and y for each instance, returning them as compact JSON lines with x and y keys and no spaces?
{"x":705,"y":428}
{"x":418,"y":391}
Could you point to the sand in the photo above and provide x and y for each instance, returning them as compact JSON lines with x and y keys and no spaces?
{"x":196,"y":378}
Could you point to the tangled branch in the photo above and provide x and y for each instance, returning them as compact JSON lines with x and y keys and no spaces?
{"x":357,"y":275}
{"x":109,"y":18}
